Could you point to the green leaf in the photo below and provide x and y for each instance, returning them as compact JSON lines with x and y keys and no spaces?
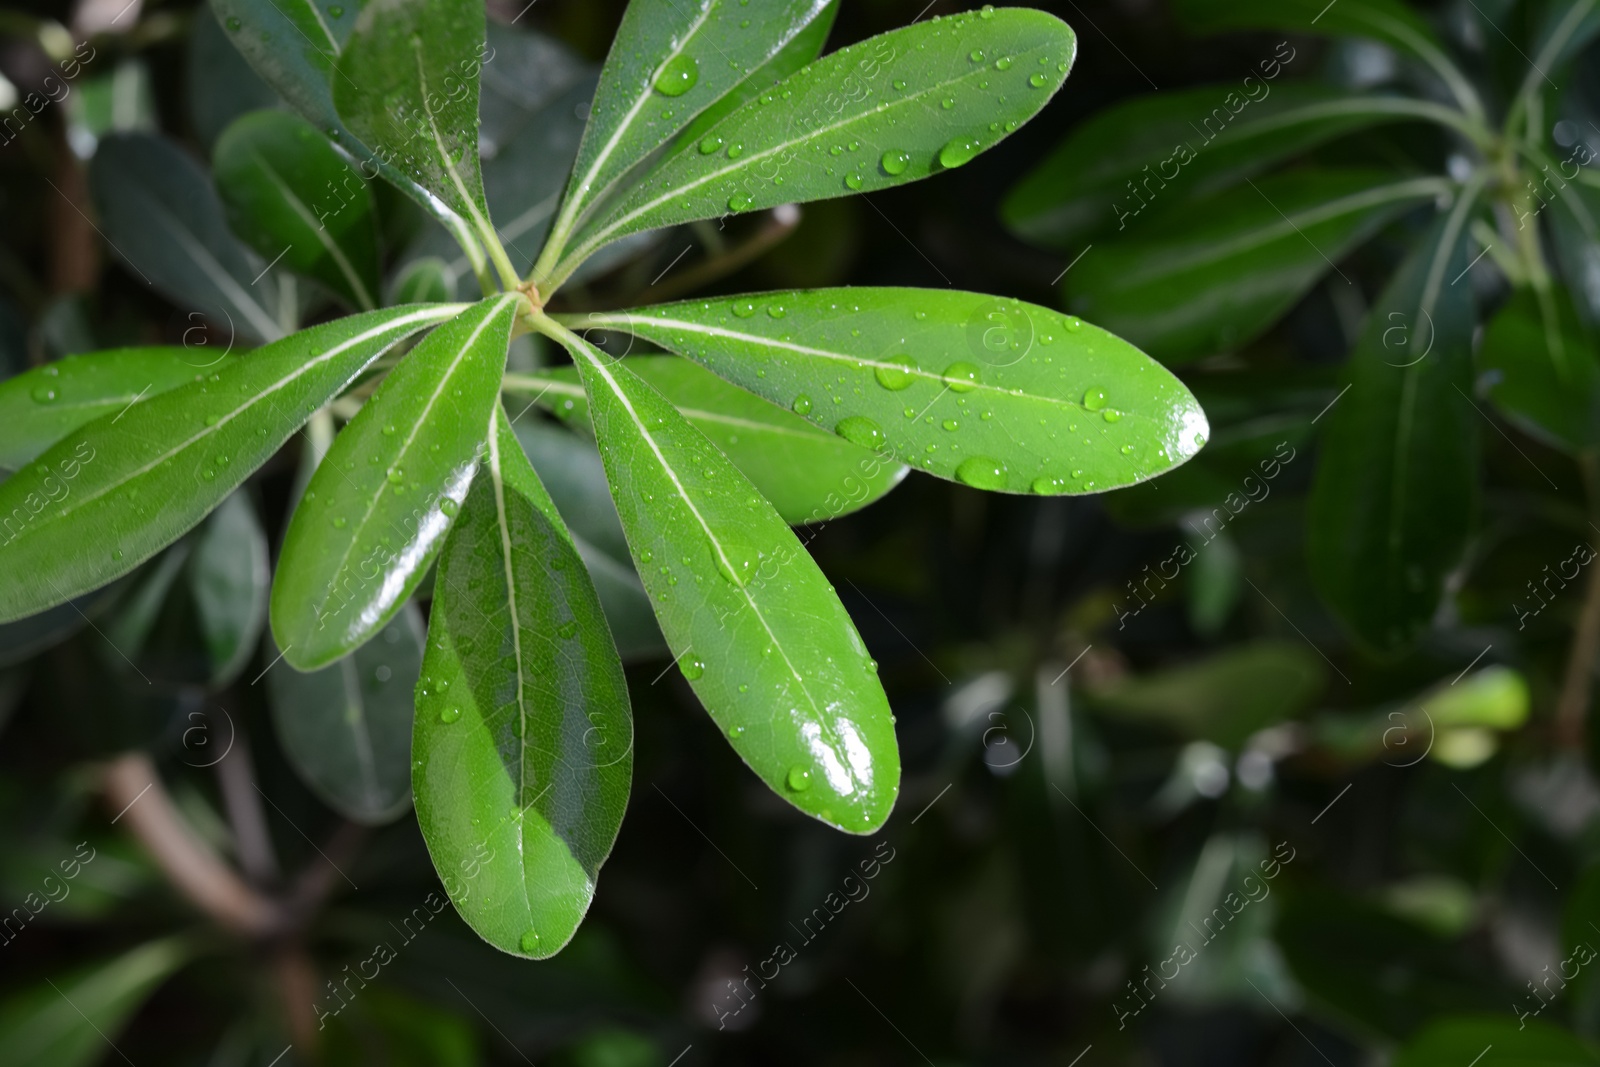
{"x":803,"y":48}
{"x":161,"y":216}
{"x":1198,"y":279}
{"x":867,"y":117}
{"x":523,"y":74}
{"x":523,"y":738}
{"x":1225,"y":698}
{"x":406,"y":84}
{"x":1542,"y":368}
{"x":571,"y":471}
{"x":73,"y":1020}
{"x":378,"y":507}
{"x":1575,"y":237}
{"x":428,"y":281}
{"x":292,"y":44}
{"x":757,"y":630}
{"x":1396,"y":487}
{"x":290,"y":195}
{"x":41,"y":406}
{"x":1337,"y":944}
{"x":1169,"y":148}
{"x":228,"y":579}
{"x":669,"y":62}
{"x":221,"y":85}
{"x":1390,"y":21}
{"x":1495,"y":1041}
{"x":346,"y":729}
{"x":808,"y":475}
{"x":997,"y":394}
{"x":121,"y":488}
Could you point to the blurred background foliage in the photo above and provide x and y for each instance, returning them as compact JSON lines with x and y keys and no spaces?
{"x":1367,"y":855}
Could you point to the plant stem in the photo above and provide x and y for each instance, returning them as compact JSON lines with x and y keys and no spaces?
{"x":1572,"y":707}
{"x":134,"y":790}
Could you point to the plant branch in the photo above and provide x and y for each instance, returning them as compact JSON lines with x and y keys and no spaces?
{"x":134,"y":790}
{"x":1572,"y":707}
{"x":236,"y":778}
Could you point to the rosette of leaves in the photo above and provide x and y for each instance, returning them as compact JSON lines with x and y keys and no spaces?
{"x":1211,"y":214}
{"x":765,"y":411}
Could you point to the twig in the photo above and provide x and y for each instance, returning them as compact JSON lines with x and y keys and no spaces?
{"x":1572,"y":707}
{"x":133,"y":789}
{"x":253,"y":842}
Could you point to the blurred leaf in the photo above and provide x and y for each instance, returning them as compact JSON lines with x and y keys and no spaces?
{"x":1543,"y":370}
{"x":805,"y":709}
{"x":124,"y":487}
{"x":963,"y":386}
{"x":1216,"y":581}
{"x":1575,"y":239}
{"x":228,"y":579}
{"x":1390,"y":21}
{"x":1377,"y":972}
{"x":41,"y":406}
{"x":72,"y":1019}
{"x":1180,"y":146}
{"x":524,"y":737}
{"x":161,"y":216}
{"x":1495,"y":1041}
{"x":424,"y":281}
{"x":379,"y":506}
{"x":121,"y":101}
{"x":346,"y":729}
{"x":1225,"y":698}
{"x":221,"y":85}
{"x":668,"y":63}
{"x":297,"y":201}
{"x":576,"y":480}
{"x":523,"y":74}
{"x":1198,"y":279}
{"x":793,"y":144}
{"x":808,"y":474}
{"x":397,"y":1030}
{"x":1396,"y":488}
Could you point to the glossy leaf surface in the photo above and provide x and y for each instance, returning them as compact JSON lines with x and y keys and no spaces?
{"x":670,"y":60}
{"x":291,"y":195}
{"x":808,"y":474}
{"x":1542,"y":368}
{"x":379,"y":505}
{"x":996,"y":394}
{"x":347,"y":728}
{"x":228,"y":575}
{"x":122,"y":488}
{"x":41,"y":406}
{"x":524,"y":738}
{"x":1180,"y":146}
{"x":1396,"y":488}
{"x":1196,"y":280}
{"x":68,"y":1021}
{"x":571,"y":471}
{"x":890,"y":110}
{"x":406,"y":84}
{"x":162,"y":217}
{"x":756,"y":628}
{"x":222,"y":86}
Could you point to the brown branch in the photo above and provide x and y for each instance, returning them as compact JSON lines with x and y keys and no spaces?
{"x":135,"y":793}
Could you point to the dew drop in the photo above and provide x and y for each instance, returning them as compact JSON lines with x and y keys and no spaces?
{"x":449,"y":507}
{"x":530,"y":941}
{"x":678,"y":76}
{"x":957,"y":152}
{"x":1045,"y":485}
{"x":895,"y":161}
{"x":44,"y":395}
{"x":710,"y":144}
{"x":691,"y":667}
{"x":1037,"y":80}
{"x":799,"y":779}
{"x":449,"y":715}
{"x":801,"y":405}
{"x":1112,"y":415}
{"x":1094,"y":399}
{"x":740,"y":202}
{"x":396,"y":476}
{"x":860,"y":430}
{"x":777,"y":311}
{"x":961,"y":377}
{"x":853,"y":180}
{"x":235,"y":25}
{"x":1003,"y":63}
{"x":981,"y":472}
{"x":896,"y":372}
{"x":735,"y":150}
{"x":948,"y":102}
{"x":388,"y":430}
{"x":1074,"y":324}
{"x":339,"y":524}
{"x":744,"y":308}
{"x":976,"y":55}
